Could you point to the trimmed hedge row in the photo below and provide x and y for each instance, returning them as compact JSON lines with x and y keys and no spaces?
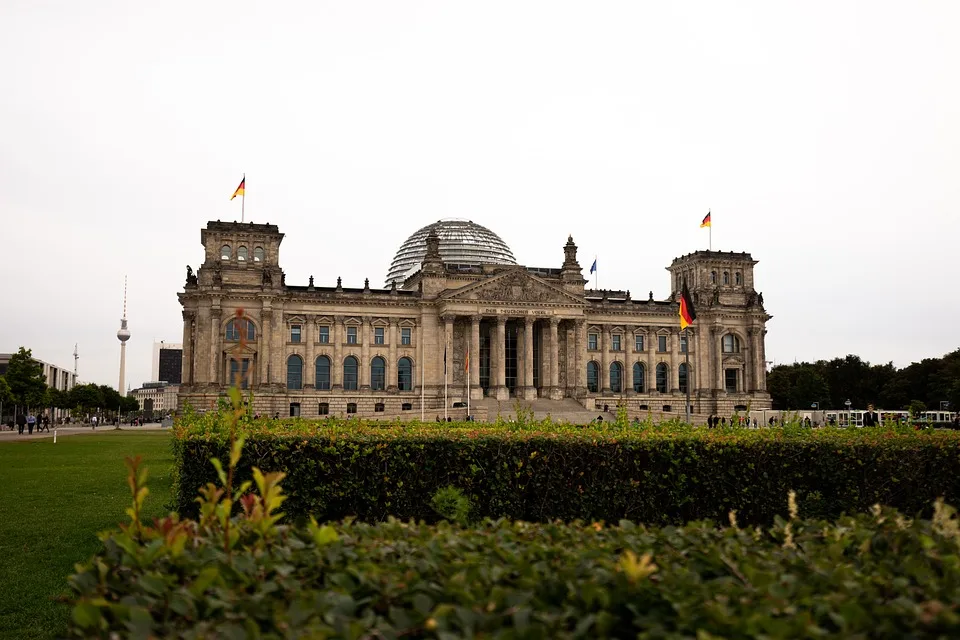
{"x":339,"y":469}
{"x":876,"y":576}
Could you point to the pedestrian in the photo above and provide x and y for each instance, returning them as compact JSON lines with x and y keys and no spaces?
{"x":870,"y":418}
{"x":21,"y":422}
{"x":31,"y":422}
{"x":94,"y":422}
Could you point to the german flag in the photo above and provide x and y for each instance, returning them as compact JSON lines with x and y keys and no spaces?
{"x":239,"y":191}
{"x":705,"y":223}
{"x":466,"y":362}
{"x":687,"y":314}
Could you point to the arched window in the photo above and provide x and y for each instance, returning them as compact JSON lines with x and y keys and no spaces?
{"x":726,"y":277}
{"x":731,"y":343}
{"x":682,"y":371}
{"x":294,"y":372}
{"x":323,"y":373}
{"x":405,"y":374}
{"x":638,"y":381}
{"x":378,"y":374}
{"x":225,"y":252}
{"x":737,"y":279}
{"x":241,"y":254}
{"x":662,"y":377}
{"x":350,"y":368}
{"x":234,"y":327}
{"x":616,"y":377}
{"x":593,"y":376}
{"x":258,"y":254}
{"x":713,"y":277}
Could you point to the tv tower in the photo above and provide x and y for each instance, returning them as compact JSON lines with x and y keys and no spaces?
{"x":123,"y":335}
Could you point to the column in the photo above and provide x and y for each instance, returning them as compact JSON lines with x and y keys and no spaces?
{"x":186,"y":367}
{"x":674,"y":360}
{"x":651,"y":345}
{"x":364,"y":373}
{"x":448,"y":375}
{"x":553,"y":359}
{"x":476,"y":393}
{"x":393,"y":338}
{"x":604,"y":381}
{"x":529,"y":391}
{"x":581,"y":359}
{"x":215,"y":351}
{"x":748,"y":362}
{"x":500,"y":352}
{"x":715,"y":339}
{"x":762,"y":354}
{"x":336,"y":367}
{"x":263,"y":339}
{"x":309,"y":365}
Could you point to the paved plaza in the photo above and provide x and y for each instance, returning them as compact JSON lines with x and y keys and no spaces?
{"x":75,"y":430}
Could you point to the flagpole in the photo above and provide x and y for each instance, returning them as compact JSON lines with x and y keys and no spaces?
{"x":243,"y":199}
{"x":686,"y":360}
{"x":711,"y":229}
{"x":468,"y":384}
{"x":444,"y":385}
{"x":422,"y":368}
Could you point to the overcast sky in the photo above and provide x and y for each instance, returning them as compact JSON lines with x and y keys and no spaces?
{"x":824,"y":137}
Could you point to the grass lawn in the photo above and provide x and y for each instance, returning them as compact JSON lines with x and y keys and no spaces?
{"x":54,"y":498}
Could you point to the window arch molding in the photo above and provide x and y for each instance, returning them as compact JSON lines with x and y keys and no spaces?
{"x":684,"y":376}
{"x":258,"y":254}
{"x":322,"y":366}
{"x":351,"y":373}
{"x":294,"y":372}
{"x":242,"y":254}
{"x":593,"y":376}
{"x":639,"y":377}
{"x":732,"y":342}
{"x":378,"y":373}
{"x":405,"y":368}
{"x":226,"y":322}
{"x":226,"y":252}
{"x":616,"y":377}
{"x":663,"y":377}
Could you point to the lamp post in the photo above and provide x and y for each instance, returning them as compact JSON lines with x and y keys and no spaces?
{"x":847,"y":405}
{"x":815,"y":406}
{"x":944,"y":405}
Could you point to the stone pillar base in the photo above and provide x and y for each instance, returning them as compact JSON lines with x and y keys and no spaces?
{"x":529,"y":393}
{"x":502,"y":393}
{"x":476,"y":393}
{"x":555,"y":393}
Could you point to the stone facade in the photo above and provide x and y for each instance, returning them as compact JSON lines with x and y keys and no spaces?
{"x":503,"y":331}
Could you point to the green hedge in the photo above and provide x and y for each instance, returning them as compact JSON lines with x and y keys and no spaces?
{"x":542,"y":472}
{"x":876,"y":576}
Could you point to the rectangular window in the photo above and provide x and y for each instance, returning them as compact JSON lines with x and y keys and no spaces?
{"x":351,"y":407}
{"x":662,"y":344}
{"x":324,"y":335}
{"x":638,"y":345}
{"x":405,"y":335}
{"x":324,"y":409}
{"x":730,"y":380}
{"x":294,"y":333}
{"x":683,"y":344}
{"x":378,"y":408}
{"x":378,"y":335}
{"x":406,"y":406}
{"x":616,"y":342}
{"x":351,"y":335}
{"x":294,"y":409}
{"x":592,"y":341}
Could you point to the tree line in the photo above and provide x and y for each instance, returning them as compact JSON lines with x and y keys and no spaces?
{"x":24,"y":387}
{"x":830,"y":383}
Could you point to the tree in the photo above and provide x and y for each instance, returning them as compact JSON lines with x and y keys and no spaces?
{"x":129,"y":404}
{"x":25,"y":379}
{"x":6,"y":397}
{"x":86,"y":397}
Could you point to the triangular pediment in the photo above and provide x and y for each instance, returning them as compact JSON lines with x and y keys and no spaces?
{"x":513,"y":285}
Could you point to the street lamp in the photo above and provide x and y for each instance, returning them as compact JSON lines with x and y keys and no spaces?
{"x":944,"y":405}
{"x":815,"y":406}
{"x":847,"y":405}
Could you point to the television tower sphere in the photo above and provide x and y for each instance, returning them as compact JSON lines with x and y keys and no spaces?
{"x":123,"y":334}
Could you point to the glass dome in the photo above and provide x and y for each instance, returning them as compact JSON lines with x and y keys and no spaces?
{"x":461,"y":242}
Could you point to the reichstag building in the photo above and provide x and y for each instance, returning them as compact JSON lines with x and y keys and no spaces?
{"x":458,"y":309}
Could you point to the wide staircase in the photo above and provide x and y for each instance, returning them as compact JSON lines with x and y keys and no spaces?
{"x":566,"y":410}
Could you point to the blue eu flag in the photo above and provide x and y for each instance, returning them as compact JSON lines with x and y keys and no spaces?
{"x":594,"y":266}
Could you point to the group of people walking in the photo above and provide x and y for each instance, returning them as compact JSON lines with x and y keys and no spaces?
{"x":29,"y":422}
